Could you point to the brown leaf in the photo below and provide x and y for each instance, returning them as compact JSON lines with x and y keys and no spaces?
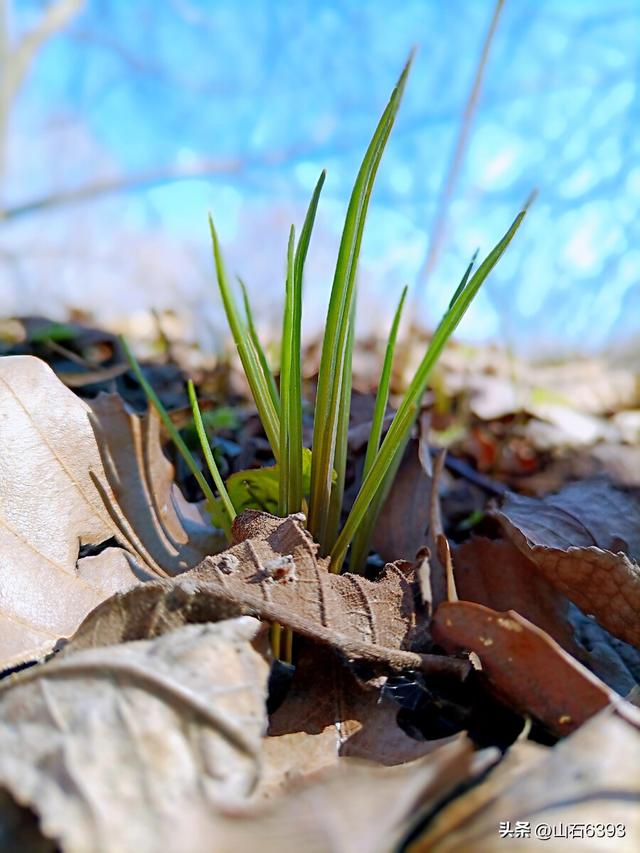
{"x":329,"y":714}
{"x":167,"y":534}
{"x":585,"y":541}
{"x":50,"y":509}
{"x":57,"y":502}
{"x":523,"y":665}
{"x":590,"y":778}
{"x":495,"y":573}
{"x":401,"y":529}
{"x":273,"y":573}
{"x":135,"y":747}
{"x":523,"y":755}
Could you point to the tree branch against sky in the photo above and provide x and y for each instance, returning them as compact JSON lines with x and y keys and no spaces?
{"x":17,"y":57}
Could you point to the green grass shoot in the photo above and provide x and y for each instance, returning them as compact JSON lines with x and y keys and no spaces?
{"x":175,"y":436}
{"x":316,"y":478}
{"x":362,"y":539}
{"x":290,"y":495}
{"x":208,"y":455}
{"x":403,"y":419}
{"x":253,"y":370}
{"x":334,"y":344}
{"x":257,"y":346}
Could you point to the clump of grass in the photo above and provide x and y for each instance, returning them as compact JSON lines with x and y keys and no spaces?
{"x":320,"y":491}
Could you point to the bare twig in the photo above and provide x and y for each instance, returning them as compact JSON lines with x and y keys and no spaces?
{"x":16,"y":60}
{"x":438,"y":230}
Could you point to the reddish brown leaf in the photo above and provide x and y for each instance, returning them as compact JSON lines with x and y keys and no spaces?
{"x":523,"y":665}
{"x":495,"y":573}
{"x":402,"y":527}
{"x":585,"y":541}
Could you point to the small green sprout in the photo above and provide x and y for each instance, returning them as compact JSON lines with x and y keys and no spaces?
{"x":313,"y":479}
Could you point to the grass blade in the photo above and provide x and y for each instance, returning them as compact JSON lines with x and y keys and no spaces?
{"x":290,"y":491}
{"x":177,"y":439}
{"x":208,"y":455}
{"x":408,"y":407}
{"x":307,"y":228}
{"x":337,"y":324}
{"x":382,"y":397}
{"x":291,"y":486}
{"x":362,"y":538}
{"x":361,"y":545}
{"x":250,"y":362}
{"x":342,"y":433}
{"x":371,"y":486}
{"x":255,"y":341}
{"x":463,"y":280}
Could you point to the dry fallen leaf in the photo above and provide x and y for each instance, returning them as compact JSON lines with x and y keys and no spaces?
{"x":356,"y":806}
{"x":523,"y":665}
{"x":273,"y":573}
{"x":329,"y":714}
{"x":585,"y":541}
{"x":166,"y":534}
{"x":136,"y":746}
{"x":589,"y":779}
{"x":50,"y":511}
{"x":58,"y":511}
{"x":401,"y":529}
{"x":495,"y":573}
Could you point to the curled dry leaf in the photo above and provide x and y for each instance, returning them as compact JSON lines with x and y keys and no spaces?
{"x":590,"y":778}
{"x":523,"y":665}
{"x":50,"y":511}
{"x":273,"y":573}
{"x":60,"y":509}
{"x":585,"y":541}
{"x":165,"y":533}
{"x":495,"y":573}
{"x":137,"y":746}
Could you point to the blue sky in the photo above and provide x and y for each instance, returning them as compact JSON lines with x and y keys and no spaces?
{"x":290,"y":88}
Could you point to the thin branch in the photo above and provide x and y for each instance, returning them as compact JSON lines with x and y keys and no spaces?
{"x":55,"y":17}
{"x":141,"y":180}
{"x":439,"y":226}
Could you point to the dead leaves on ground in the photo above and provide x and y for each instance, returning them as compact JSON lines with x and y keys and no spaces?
{"x":585,"y":541}
{"x":589,"y":779}
{"x":79,"y":519}
{"x":273,"y":572}
{"x":131,"y":747}
{"x":148,"y":729}
{"x":523,"y":665}
{"x":159,"y":743}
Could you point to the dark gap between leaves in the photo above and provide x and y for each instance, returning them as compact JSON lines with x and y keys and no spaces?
{"x":90,"y":549}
